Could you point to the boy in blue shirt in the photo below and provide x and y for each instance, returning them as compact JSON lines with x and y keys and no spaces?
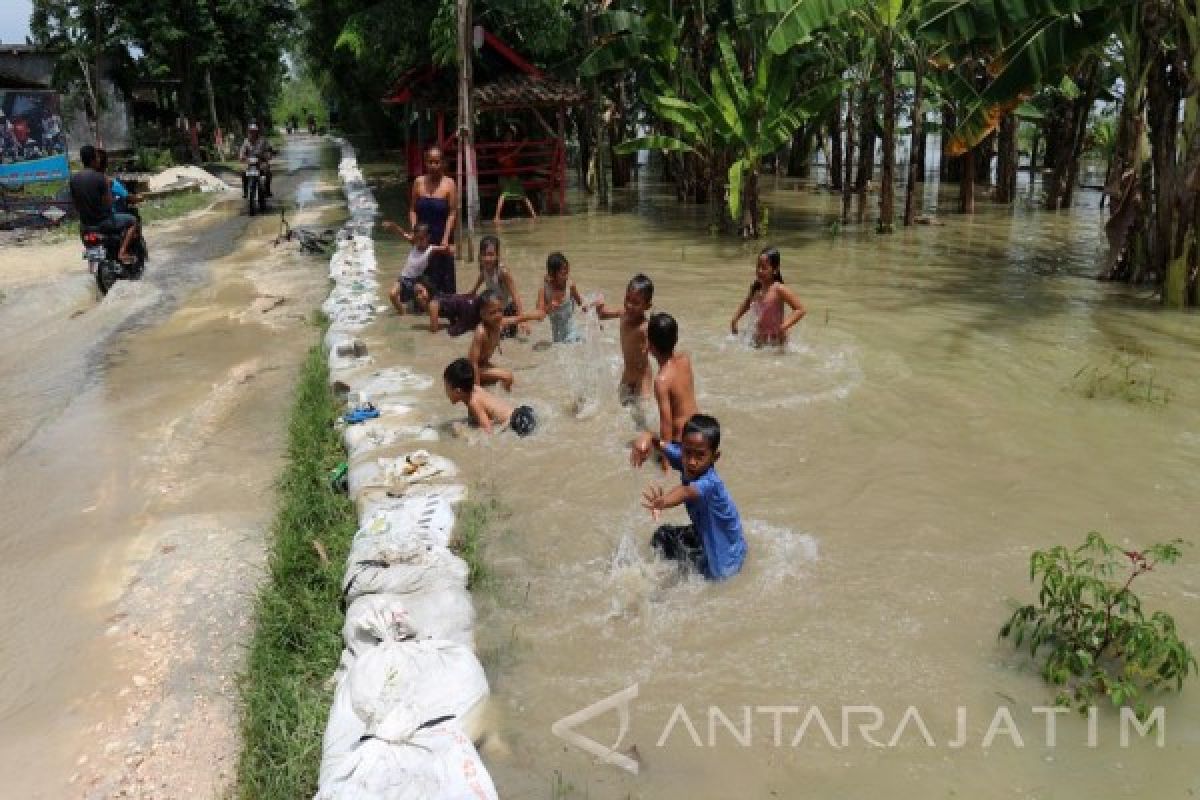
{"x":713,"y":543}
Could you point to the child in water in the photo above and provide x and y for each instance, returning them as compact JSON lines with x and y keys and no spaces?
{"x":402,"y":294}
{"x":495,"y":276}
{"x":767,"y":296}
{"x":486,"y":341}
{"x":636,"y":378}
{"x":674,"y":386}
{"x":558,"y":299}
{"x":461,"y":311}
{"x":713,"y":544}
{"x":483,"y":409}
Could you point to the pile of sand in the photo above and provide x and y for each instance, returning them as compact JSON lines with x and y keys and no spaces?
{"x":184,"y":177}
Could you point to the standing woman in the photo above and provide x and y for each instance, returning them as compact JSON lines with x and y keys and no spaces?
{"x":434,"y":202}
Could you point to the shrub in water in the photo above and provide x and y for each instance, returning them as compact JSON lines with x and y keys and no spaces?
{"x":1091,"y":629}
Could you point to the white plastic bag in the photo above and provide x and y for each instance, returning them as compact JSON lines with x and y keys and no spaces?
{"x":404,"y":568}
{"x":438,"y":678}
{"x":408,"y":759}
{"x":387,"y":430}
{"x":375,"y":619}
{"x":397,"y":473}
{"x":428,"y":519}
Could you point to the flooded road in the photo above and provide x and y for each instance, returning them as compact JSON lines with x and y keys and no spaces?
{"x":142,"y":437}
{"x":959,"y":394}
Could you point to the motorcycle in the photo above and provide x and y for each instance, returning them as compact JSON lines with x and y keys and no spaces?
{"x":255,"y":188}
{"x":100,"y":249}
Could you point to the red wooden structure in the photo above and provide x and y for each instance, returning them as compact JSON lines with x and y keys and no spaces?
{"x":506,"y":84}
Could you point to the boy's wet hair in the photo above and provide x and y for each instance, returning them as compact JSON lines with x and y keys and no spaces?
{"x":663,"y":332}
{"x":87,"y":155}
{"x":488,"y":296}
{"x":427,"y":282}
{"x":555,"y":262}
{"x":421,"y":227}
{"x":642,"y":285}
{"x":706,"y":426}
{"x":490,"y":241}
{"x":460,"y":374}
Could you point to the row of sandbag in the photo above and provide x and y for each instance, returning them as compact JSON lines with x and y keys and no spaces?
{"x":410,"y":690}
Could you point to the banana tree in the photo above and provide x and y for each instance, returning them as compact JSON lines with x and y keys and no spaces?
{"x":730,"y":124}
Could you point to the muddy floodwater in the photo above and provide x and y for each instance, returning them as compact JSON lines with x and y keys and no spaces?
{"x":959,"y":394}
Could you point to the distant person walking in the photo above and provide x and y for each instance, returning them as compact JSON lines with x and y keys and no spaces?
{"x":434,"y":202}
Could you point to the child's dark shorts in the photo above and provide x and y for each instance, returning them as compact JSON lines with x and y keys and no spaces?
{"x":681,"y":543}
{"x":408,"y":297}
{"x":509,"y":331}
{"x":522,"y":422}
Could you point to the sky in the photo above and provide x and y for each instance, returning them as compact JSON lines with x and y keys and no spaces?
{"x":14,"y":20}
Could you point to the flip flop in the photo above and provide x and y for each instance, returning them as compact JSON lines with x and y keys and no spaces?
{"x":338,"y":478}
{"x":360,"y":415}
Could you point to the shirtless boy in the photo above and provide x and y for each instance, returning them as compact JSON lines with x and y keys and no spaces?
{"x":483,"y":409}
{"x":636,"y":378}
{"x":674,"y":387}
{"x":486,"y":341}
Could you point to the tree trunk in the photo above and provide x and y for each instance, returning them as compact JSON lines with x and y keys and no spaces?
{"x":834,"y":167}
{"x":866,"y":150}
{"x":966,"y":184}
{"x":949,"y":167}
{"x":800,"y":158}
{"x":1069,"y":146}
{"x":887,"y":180}
{"x":1006,"y":163}
{"x":847,"y":178}
{"x":916,"y":147}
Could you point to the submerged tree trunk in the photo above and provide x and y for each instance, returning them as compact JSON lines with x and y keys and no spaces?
{"x":847,"y":177}
{"x":887,"y":179}
{"x":1006,"y":162}
{"x":866,"y":151}
{"x":834,"y":166}
{"x":1061,"y":184}
{"x":966,"y":184}
{"x":916,"y":147}
{"x":950,"y":167}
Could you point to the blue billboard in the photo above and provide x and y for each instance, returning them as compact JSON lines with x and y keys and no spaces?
{"x":53,"y":168}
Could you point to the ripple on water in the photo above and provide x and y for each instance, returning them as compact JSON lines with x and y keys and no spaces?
{"x":808,"y":370}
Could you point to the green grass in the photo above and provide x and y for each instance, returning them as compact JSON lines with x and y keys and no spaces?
{"x":474,"y":521}
{"x":297,"y":638}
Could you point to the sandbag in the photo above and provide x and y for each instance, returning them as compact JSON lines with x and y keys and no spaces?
{"x":370,"y":500}
{"x":375,"y":619}
{"x":396,"y":473}
{"x":387,"y":430}
{"x":403,"y":567}
{"x":438,"y":678}
{"x":428,"y":519}
{"x":387,"y":382}
{"x":406,"y":758}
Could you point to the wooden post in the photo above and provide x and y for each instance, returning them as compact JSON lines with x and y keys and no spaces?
{"x":466,"y":127}
{"x":561,"y":152}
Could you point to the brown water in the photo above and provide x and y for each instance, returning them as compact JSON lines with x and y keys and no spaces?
{"x":894,"y":469}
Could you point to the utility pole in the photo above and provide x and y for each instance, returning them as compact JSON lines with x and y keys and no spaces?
{"x":468,"y":177}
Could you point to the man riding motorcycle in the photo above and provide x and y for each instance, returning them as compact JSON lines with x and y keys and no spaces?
{"x":256,"y":147}
{"x":93,"y":199}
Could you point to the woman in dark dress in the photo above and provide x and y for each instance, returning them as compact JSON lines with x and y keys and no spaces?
{"x":434,"y":202}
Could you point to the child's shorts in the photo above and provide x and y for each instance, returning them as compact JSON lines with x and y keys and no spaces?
{"x":407,"y":295}
{"x":522,"y":422}
{"x":681,"y":543}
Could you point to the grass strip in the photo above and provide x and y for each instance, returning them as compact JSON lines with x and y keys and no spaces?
{"x":297,"y":638}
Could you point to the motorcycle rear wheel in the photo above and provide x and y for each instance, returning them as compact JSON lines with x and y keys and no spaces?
{"x":107,"y":273}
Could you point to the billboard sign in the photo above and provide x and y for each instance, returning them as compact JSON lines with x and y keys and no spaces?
{"x":33,"y":144}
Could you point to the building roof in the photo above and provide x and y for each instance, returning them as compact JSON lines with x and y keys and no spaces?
{"x":525,"y":86}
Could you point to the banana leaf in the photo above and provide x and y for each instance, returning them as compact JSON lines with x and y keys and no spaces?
{"x":1041,"y":54}
{"x":798,"y":20}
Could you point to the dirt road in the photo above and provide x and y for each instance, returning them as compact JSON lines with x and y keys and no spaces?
{"x":141,"y":438}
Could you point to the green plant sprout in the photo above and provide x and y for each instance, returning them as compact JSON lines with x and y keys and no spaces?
{"x":1091,"y":629}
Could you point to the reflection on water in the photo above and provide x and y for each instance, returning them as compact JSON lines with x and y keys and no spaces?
{"x":894,"y":468}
